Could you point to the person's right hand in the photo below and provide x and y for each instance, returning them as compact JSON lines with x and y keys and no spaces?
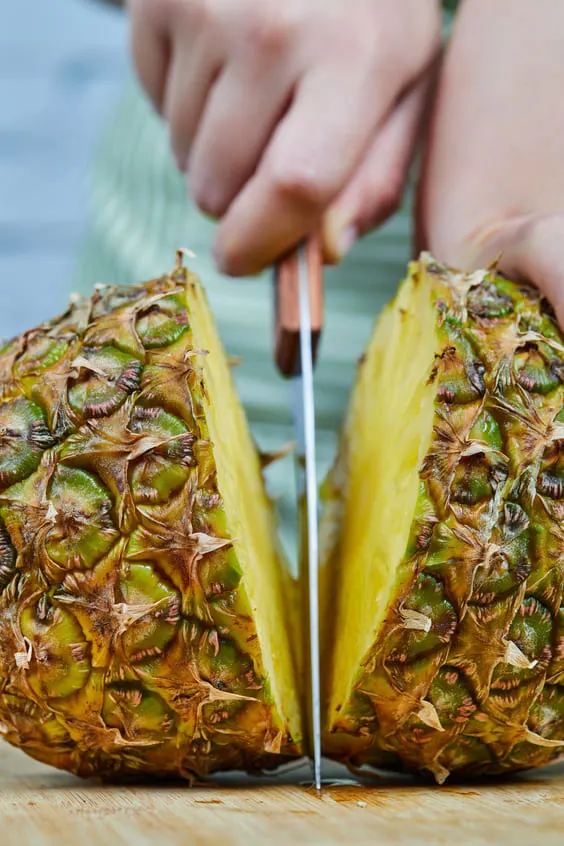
{"x":279,"y":108}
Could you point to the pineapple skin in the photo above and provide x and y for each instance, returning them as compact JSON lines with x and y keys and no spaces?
{"x":127,"y":640}
{"x":466,"y":674}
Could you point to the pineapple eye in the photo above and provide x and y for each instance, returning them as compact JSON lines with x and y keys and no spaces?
{"x":476,"y":479}
{"x":551,"y":477}
{"x":106,"y":377}
{"x":24,"y":437}
{"x":146,"y":639}
{"x":162,"y":471}
{"x":472,"y":481}
{"x":535,"y":372}
{"x":26,"y":718}
{"x":110,"y":299}
{"x":531,"y":630}
{"x":485,"y":428}
{"x":451,"y":696}
{"x":7,"y":557}
{"x":163,"y":323}
{"x":545,"y":717}
{"x":137,"y":713}
{"x":58,"y":650}
{"x":429,"y":621}
{"x":505,"y":570}
{"x":461,"y":378}
{"x":224,"y":666}
{"x":424,"y":522}
{"x":41,"y":352}
{"x":531,"y":633}
{"x":488,"y":301}
{"x":82,"y":528}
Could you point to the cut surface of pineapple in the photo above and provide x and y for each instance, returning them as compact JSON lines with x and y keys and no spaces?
{"x":251,"y":522}
{"x":444,"y":521}
{"x":143,"y":607}
{"x":387,"y":436}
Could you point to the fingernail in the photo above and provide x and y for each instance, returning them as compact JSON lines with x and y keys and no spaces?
{"x":345,"y":240}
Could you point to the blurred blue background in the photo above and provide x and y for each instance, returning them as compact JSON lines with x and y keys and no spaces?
{"x":62,"y":66}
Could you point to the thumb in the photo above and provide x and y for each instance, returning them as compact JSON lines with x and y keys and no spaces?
{"x":375,"y":190}
{"x":529,"y":248}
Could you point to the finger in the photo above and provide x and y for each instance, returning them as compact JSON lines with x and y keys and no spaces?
{"x":313,"y":153}
{"x":530,"y":248}
{"x":150,"y":48}
{"x":234,"y":130}
{"x":376,"y":189}
{"x":496,"y":141}
{"x":194,"y":69}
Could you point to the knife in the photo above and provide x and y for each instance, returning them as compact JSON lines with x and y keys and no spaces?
{"x":299,"y":319}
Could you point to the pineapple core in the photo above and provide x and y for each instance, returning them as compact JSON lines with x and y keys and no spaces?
{"x":386,"y":438}
{"x":250,"y":521}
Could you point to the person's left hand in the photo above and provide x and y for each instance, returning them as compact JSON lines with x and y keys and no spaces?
{"x":493,"y":178}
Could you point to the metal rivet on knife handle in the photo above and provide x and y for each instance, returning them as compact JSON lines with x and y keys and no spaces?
{"x":287,"y":312}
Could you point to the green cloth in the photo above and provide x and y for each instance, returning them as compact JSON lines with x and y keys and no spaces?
{"x":141,"y":213}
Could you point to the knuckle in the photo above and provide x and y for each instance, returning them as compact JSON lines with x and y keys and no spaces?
{"x":302,"y":184}
{"x":269,"y":31}
{"x":197,"y":12}
{"x":385,"y":57}
{"x":356,"y":47}
{"x":369,"y":49}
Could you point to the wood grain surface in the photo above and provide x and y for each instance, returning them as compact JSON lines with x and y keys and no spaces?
{"x":43,"y":807}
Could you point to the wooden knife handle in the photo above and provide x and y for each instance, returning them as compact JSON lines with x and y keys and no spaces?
{"x":287,"y":306}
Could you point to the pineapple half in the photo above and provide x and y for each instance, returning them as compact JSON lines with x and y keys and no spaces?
{"x":143,"y":618}
{"x":444,"y":535}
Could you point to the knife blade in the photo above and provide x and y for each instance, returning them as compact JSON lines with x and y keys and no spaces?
{"x":299,"y":305}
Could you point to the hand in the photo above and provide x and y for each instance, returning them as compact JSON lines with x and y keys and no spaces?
{"x":493,"y":179}
{"x":274,"y":106}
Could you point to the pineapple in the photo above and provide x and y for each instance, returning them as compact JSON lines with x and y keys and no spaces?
{"x":443,"y":534}
{"x":143,"y":619}
{"x":145,"y":613}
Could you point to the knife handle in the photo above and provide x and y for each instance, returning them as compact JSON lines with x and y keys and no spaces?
{"x":287,"y":306}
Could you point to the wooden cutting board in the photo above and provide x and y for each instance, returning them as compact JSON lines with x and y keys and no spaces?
{"x":43,"y":807}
